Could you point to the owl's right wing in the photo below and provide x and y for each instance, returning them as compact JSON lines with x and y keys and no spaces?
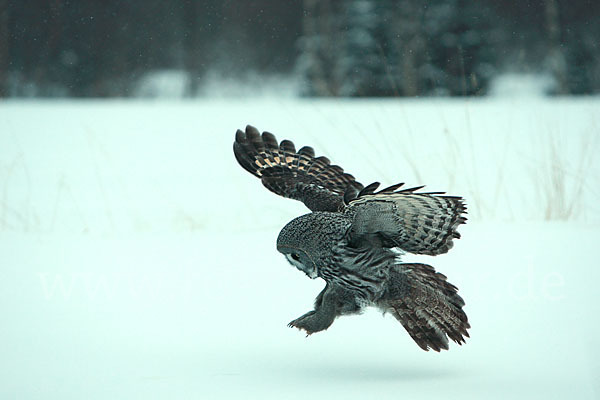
{"x":297,"y":175}
{"x":420,"y":223}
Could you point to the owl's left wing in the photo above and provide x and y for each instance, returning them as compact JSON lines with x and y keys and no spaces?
{"x":420,"y":223}
{"x":297,"y":175}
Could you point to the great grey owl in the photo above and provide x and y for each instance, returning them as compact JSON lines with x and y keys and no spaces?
{"x":353,"y":239}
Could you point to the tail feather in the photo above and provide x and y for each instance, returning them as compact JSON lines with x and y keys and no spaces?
{"x":426,"y":305}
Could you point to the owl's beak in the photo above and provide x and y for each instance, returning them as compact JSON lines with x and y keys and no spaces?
{"x":313,"y":273}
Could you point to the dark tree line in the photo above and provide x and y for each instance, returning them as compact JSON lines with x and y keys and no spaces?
{"x":90,"y":48}
{"x":100,"y":48}
{"x":447,"y":47}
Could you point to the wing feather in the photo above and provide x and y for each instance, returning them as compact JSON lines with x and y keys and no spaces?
{"x":293,"y":174}
{"x":420,"y":223}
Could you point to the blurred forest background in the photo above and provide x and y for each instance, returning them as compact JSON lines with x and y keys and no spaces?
{"x":351,"y":48}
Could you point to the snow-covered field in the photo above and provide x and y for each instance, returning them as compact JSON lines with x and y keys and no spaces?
{"x":138,"y":259}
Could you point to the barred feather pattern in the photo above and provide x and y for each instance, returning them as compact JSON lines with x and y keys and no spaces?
{"x":419,"y":223}
{"x":298,"y":175}
{"x":362,"y":270}
{"x":426,"y":305}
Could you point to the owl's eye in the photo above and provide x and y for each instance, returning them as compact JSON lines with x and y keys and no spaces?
{"x":295,"y":256}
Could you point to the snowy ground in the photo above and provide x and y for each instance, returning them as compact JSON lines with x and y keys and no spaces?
{"x":138,"y":259}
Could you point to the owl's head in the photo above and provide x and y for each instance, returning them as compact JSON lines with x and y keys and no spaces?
{"x":296,"y":243}
{"x":307,"y":241}
{"x":301,"y":260}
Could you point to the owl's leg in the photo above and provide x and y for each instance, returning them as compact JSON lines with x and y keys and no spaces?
{"x":329,"y":304}
{"x":320,"y":318}
{"x":319,"y":299}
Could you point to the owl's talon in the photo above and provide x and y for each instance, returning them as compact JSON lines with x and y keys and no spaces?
{"x":300,"y":328}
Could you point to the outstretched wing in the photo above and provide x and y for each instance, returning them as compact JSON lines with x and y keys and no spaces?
{"x":297,"y":175}
{"x":420,"y":223}
{"x":426,"y":305}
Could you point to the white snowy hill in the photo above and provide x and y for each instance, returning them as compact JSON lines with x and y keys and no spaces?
{"x":138,"y":259}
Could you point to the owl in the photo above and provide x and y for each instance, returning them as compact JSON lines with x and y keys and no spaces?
{"x":353,"y":239}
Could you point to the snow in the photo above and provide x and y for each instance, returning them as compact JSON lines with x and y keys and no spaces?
{"x":522,"y":85}
{"x":170,"y":84}
{"x":139,"y":259}
{"x":217,"y":84}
